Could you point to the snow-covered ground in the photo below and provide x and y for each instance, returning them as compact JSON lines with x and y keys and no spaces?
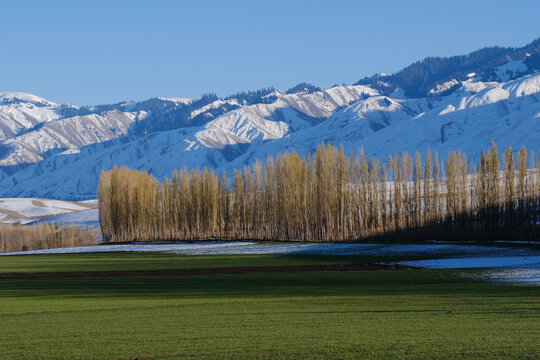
{"x":505,"y":262}
{"x":88,"y":218}
{"x":523,"y":269}
{"x":29,"y":210}
{"x":252,"y":247}
{"x":514,"y":276}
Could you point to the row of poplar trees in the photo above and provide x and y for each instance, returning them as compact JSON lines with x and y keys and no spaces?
{"x":329,"y":196}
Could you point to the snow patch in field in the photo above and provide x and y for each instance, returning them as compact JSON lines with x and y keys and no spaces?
{"x":515,"y":276}
{"x":530,"y":261}
{"x":251,"y":247}
{"x":84,"y":219}
{"x":518,"y":270}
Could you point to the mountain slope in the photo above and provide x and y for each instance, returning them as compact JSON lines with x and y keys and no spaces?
{"x":469,"y":120}
{"x":21,"y":111}
{"x":32,"y":128}
{"x":63,"y":135}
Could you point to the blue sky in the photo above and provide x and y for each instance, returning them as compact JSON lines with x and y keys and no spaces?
{"x":93,"y":52}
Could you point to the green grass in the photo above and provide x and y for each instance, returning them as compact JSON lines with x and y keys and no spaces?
{"x":407,"y":314}
{"x":157,"y":261}
{"x":164,"y":261}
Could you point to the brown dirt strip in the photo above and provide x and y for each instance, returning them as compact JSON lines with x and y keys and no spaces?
{"x":205,"y":271}
{"x":11,"y":215}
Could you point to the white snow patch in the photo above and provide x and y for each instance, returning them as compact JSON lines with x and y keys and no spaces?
{"x":444,"y":86}
{"x":27,"y":210}
{"x":532,"y":261}
{"x":474,"y":86}
{"x":178,"y":100}
{"x":514,"y":276}
{"x":10,"y":96}
{"x":252,"y":247}
{"x":510,"y":70}
{"x":88,"y":218}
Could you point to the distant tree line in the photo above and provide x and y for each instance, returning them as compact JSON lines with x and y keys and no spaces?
{"x":303,"y":88}
{"x":254,"y":97}
{"x":43,"y":236}
{"x":329,"y":196}
{"x":163,"y":116}
{"x":418,"y":78}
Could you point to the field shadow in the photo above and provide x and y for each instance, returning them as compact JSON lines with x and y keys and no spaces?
{"x":348,"y":283}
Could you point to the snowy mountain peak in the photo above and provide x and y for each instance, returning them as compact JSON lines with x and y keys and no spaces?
{"x":22,"y":111}
{"x":177,"y":100}
{"x":19,"y":97}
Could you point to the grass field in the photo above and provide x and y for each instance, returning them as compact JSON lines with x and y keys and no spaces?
{"x":402,"y":314}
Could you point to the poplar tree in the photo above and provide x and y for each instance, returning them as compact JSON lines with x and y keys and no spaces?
{"x":328,"y":196}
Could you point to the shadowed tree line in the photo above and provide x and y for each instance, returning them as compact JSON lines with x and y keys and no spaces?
{"x":329,"y":196}
{"x":42,"y":236}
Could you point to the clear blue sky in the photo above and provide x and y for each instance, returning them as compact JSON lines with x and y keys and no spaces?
{"x":92,"y":52}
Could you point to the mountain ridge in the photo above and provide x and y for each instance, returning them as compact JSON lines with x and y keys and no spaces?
{"x":420,"y":77}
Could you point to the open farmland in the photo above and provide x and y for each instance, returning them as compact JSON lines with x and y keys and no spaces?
{"x":316,"y":314}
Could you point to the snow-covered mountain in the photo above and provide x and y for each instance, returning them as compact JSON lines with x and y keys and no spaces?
{"x":468,"y":119}
{"x":33,"y":128}
{"x":492,"y":64}
{"x":22,"y":111}
{"x":57,"y":151}
{"x":64,"y":135}
{"x":216,"y":143}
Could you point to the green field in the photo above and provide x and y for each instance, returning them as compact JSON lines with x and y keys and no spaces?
{"x":385,"y":314}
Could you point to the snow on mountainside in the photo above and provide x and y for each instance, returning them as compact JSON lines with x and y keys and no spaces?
{"x":288,"y":113}
{"x":510,"y":70}
{"x":74,"y":176}
{"x":17,"y":97}
{"x":64,"y":135}
{"x":28,"y":210}
{"x":435,"y":73}
{"x":178,"y":100}
{"x":21,"y":111}
{"x":468,"y":118}
{"x":508,"y":113}
{"x":33,"y":128}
